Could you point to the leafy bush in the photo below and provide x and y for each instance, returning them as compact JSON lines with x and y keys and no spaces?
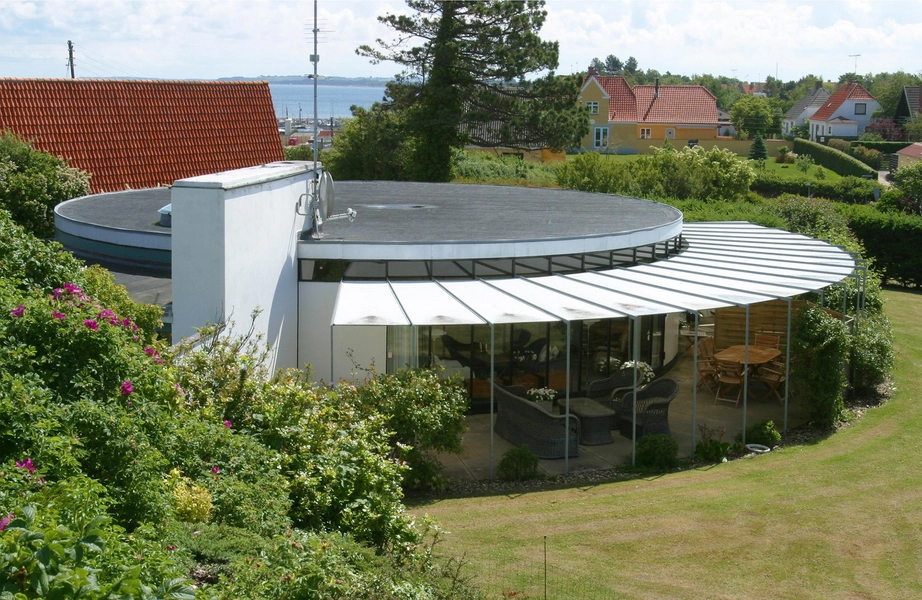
{"x":882,"y":147}
{"x":658,"y":452}
{"x":897,"y":201}
{"x":891,"y":241}
{"x":32,"y":183}
{"x":851,"y":190}
{"x":60,"y":544}
{"x":481,"y":167}
{"x":763,"y":432}
{"x":711,"y":447}
{"x":840,"y":145}
{"x":866,"y":155}
{"x":820,"y":347}
{"x":871,"y":353}
{"x":832,"y":159}
{"x":690,"y":173}
{"x":518,"y":464}
{"x":908,"y":179}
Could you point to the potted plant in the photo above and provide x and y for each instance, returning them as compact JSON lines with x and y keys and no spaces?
{"x":644,"y":371}
{"x":543,"y":397}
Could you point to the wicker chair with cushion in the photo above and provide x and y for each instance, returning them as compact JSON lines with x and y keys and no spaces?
{"x":654,"y":398}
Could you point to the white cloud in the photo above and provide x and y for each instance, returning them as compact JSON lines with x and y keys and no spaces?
{"x":199,"y":39}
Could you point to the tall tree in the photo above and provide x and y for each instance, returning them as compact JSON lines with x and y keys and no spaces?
{"x":630,"y":66}
{"x":613,"y":64}
{"x":465,"y":82}
{"x":752,"y":115}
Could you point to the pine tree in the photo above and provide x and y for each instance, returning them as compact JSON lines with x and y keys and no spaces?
{"x":465,"y":81}
{"x":758,"y":151}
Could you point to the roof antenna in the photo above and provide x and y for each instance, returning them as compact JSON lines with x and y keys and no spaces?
{"x":320,"y":188}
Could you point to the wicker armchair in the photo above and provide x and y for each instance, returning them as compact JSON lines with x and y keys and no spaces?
{"x":601,"y":389}
{"x":652,"y":414}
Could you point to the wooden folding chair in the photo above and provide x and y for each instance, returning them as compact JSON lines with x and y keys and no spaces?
{"x":729,"y":375}
{"x":767,"y":340}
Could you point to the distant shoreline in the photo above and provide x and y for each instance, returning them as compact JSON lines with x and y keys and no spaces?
{"x":303,"y":80}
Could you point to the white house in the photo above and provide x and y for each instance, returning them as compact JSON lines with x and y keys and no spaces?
{"x":804,"y":109}
{"x":845,"y":114}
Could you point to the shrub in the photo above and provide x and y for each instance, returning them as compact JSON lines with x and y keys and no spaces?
{"x":820,"y":347}
{"x":481,"y":167}
{"x":852,"y":190}
{"x":711,"y":447}
{"x":518,"y":464}
{"x":908,"y":179}
{"x":840,"y":145}
{"x":657,"y":452}
{"x":763,"y":432}
{"x":866,"y":155}
{"x":757,"y":150}
{"x":191,"y":502}
{"x":871,"y":353}
{"x":897,"y":201}
{"x":891,"y":241}
{"x":832,"y":159}
{"x":32,"y":183}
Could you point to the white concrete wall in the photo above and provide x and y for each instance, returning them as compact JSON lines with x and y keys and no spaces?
{"x":234,"y":251}
{"x":331,"y":363}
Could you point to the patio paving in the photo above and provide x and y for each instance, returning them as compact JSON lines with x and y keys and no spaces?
{"x":474,"y":460}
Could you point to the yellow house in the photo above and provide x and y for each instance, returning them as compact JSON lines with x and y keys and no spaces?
{"x":624,"y":117}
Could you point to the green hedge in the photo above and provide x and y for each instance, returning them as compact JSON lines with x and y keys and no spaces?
{"x":851,"y":190}
{"x":891,"y":240}
{"x":841,"y":163}
{"x":884,"y":147}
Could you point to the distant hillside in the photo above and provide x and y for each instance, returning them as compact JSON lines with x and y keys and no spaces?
{"x":305,"y":80}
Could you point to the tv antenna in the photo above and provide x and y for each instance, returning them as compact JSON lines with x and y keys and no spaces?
{"x":855,"y":56}
{"x":320,"y":189}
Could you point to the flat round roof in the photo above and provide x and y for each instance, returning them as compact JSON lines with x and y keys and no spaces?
{"x":427,"y":221}
{"x":412,"y":221}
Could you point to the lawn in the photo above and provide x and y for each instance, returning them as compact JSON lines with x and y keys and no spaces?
{"x":840,"y":518}
{"x":788,"y":170}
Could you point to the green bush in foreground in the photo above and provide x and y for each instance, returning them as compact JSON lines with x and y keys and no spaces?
{"x":819,"y":354}
{"x":657,"y":452}
{"x":518,"y":464}
{"x":764,"y":433}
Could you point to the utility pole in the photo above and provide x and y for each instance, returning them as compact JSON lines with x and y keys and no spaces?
{"x":855,"y":56}
{"x":70,"y":58}
{"x":315,"y":58}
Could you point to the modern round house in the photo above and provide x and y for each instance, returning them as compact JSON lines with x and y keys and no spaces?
{"x":537,"y":287}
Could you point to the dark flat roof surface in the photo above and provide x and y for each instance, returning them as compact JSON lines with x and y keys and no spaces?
{"x":134,"y":210}
{"x":393,"y":212}
{"x":390,"y":212}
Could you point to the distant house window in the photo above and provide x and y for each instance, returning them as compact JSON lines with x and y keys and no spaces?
{"x":646,"y":133}
{"x":601,"y":137}
{"x":593,"y":108}
{"x":861,"y":108}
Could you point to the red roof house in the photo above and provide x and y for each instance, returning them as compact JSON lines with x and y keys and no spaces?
{"x":619,"y":115}
{"x":845,"y":114}
{"x":143,"y":133}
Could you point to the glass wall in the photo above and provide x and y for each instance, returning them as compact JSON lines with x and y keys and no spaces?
{"x":532,"y":355}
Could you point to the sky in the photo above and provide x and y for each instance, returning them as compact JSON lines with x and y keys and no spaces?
{"x":209,"y":39}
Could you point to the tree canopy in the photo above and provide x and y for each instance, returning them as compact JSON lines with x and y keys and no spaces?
{"x":753,"y":115}
{"x":465,"y":64}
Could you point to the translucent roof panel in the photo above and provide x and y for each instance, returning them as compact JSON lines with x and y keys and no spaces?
{"x":367,"y":303}
{"x":427,"y":303}
{"x":559,"y":302}
{"x":494,"y":305}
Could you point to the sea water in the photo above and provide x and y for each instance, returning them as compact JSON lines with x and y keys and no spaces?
{"x":296,"y":101}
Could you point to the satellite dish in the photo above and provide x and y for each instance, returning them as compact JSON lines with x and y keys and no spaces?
{"x":326,"y":195}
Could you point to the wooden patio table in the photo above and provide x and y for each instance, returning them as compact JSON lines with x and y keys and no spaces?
{"x":757,"y":354}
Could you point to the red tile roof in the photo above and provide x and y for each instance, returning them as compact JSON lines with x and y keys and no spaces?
{"x":912,"y":151}
{"x":623,"y":105}
{"x":675,"y":104}
{"x":849,"y":91}
{"x":140,"y":134}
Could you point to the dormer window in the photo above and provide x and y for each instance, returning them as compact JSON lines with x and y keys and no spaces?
{"x":861,"y":108}
{"x":593,"y":107}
